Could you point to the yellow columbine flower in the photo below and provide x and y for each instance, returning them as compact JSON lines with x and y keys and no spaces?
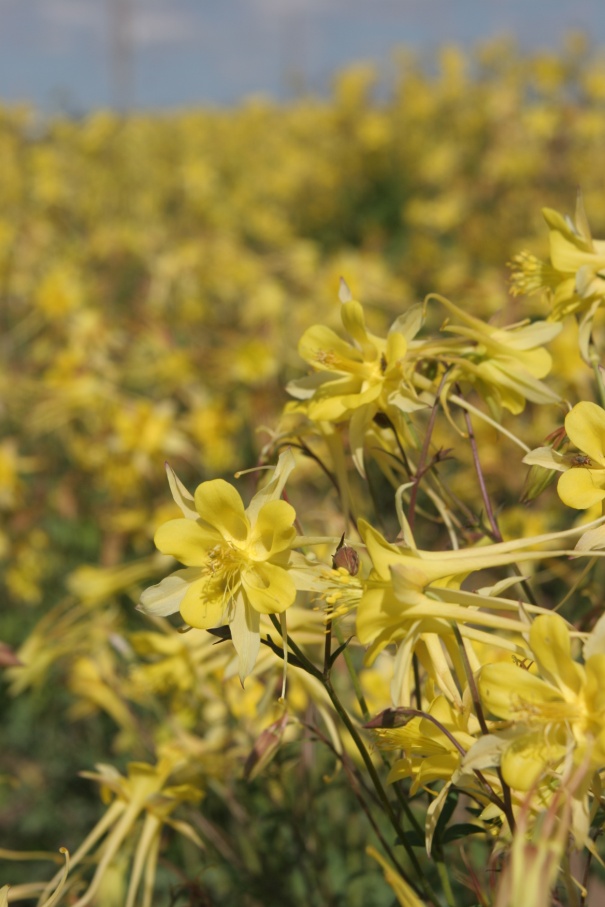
{"x":561,"y":710}
{"x":429,"y":754}
{"x":583,"y":481}
{"x":236,"y":559}
{"x":575,"y":276}
{"x":355,"y":380}
{"x":143,"y":803}
{"x":504,"y":364}
{"x":409,"y":589}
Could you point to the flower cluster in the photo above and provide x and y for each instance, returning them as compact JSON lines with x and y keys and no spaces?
{"x":369,"y":588}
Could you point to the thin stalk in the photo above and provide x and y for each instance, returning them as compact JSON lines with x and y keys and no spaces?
{"x":357,"y":689}
{"x":470,"y":678}
{"x":370,"y":767}
{"x":495,"y":533}
{"x":445,"y":882}
{"x":384,"y":800}
{"x":405,"y":806}
{"x":356,"y":782}
{"x":420,"y":467}
{"x":327,"y":646}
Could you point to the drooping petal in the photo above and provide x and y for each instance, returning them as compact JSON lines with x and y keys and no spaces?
{"x":269,"y":588}
{"x":220,"y":506}
{"x":306,"y":387}
{"x":200,"y":610}
{"x":585,"y":427}
{"x":245,"y":627}
{"x":165,"y":598}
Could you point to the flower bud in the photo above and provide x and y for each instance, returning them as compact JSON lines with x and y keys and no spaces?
{"x":348,"y":558}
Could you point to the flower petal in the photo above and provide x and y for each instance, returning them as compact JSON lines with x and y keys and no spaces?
{"x":581,"y":487}
{"x":273,"y":489}
{"x":199,"y":610}
{"x":165,"y":598}
{"x":528,"y":757}
{"x":185,"y":540}
{"x":585,"y":427}
{"x":245,"y":627}
{"x":220,"y":506}
{"x":354,"y":323}
{"x":550,"y":642}
{"x":268,"y":588}
{"x":182,"y":497}
{"x":507,"y":690}
{"x":546,"y":457}
{"x":321,"y":347}
{"x":273,"y":531}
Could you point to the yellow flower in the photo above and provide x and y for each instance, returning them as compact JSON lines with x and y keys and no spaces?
{"x":142,"y":804}
{"x":582,"y":483}
{"x":410,"y":589}
{"x":354,"y":381}
{"x":561,"y":710}
{"x":504,"y":364}
{"x":576,"y":275}
{"x":429,"y":753}
{"x":236,"y":559}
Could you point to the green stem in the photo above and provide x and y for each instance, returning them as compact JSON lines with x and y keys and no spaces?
{"x":445,"y":882}
{"x":401,"y":797}
{"x":379,"y":788}
{"x":370,"y":767}
{"x":365,"y":712}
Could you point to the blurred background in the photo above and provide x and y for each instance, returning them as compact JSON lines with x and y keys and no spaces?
{"x":78,"y":54}
{"x":182,"y":184}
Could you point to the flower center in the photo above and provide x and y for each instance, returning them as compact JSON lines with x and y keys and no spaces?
{"x":222,"y":570}
{"x":371,"y":371}
{"x":555,"y":712}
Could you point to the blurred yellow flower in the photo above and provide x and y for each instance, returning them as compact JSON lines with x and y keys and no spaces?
{"x":575,"y":276}
{"x":561,"y":710}
{"x":355,"y":380}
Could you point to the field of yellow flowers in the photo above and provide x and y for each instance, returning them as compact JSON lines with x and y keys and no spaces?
{"x":302,"y":463}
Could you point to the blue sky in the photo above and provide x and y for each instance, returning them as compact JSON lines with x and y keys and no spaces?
{"x":58,"y":54}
